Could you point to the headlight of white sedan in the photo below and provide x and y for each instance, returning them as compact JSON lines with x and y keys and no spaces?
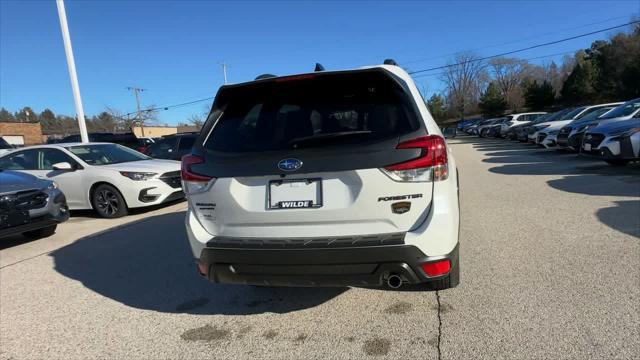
{"x":138,"y":176}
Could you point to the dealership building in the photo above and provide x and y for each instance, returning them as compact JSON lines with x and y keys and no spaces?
{"x":17,"y":133}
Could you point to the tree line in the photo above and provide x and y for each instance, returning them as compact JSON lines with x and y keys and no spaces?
{"x":109,"y":120}
{"x":607,"y":71}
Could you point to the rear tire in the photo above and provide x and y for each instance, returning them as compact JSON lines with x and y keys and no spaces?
{"x":108,"y":202}
{"x":617,"y":162}
{"x":41,"y":233}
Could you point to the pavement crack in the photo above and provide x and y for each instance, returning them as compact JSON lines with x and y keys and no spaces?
{"x":439,"y":324}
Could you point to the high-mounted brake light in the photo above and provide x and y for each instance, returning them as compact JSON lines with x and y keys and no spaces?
{"x":295,"y":77}
{"x":431,"y":165}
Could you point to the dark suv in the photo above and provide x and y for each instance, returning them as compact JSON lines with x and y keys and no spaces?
{"x":172,"y":147}
{"x":125,"y":139}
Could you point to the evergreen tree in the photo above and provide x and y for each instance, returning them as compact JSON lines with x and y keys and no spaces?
{"x":579,"y":86}
{"x":26,"y":114}
{"x":539,"y":96}
{"x":437,"y":107}
{"x":492,"y":103}
{"x":6,"y":116}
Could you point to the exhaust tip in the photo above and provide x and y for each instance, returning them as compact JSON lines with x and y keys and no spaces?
{"x":394,"y":281}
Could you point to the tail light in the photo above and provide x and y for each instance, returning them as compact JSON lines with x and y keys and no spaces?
{"x":436,"y":268}
{"x":193,"y":182}
{"x":431,"y":165}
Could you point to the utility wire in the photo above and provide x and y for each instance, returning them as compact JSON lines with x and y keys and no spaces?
{"x":515,"y":41}
{"x":527,"y":48}
{"x":528,"y":59}
{"x":162,"y":108}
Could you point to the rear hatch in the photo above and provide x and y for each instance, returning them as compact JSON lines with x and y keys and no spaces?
{"x":304,"y":156}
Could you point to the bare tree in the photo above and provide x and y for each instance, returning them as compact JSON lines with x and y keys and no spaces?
{"x":508,"y":74}
{"x":196,"y":120}
{"x":125,"y":122}
{"x":199,"y":119}
{"x":464,"y":78}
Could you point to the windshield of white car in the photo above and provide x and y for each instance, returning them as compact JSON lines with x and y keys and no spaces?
{"x":106,"y":154}
{"x":572,"y":114}
{"x":551,"y":117}
{"x":592,"y":116}
{"x":625,"y":109}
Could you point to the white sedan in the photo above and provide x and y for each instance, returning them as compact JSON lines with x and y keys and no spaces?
{"x":105,"y":177}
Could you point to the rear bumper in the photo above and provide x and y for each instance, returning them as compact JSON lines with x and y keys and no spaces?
{"x":353,"y":266}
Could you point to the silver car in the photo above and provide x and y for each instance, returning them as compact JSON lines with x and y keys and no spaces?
{"x":30,"y":206}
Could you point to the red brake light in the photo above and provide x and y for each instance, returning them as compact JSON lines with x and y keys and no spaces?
{"x":434,"y":153}
{"x":437,"y":268}
{"x":295,"y":77}
{"x":187,"y":174}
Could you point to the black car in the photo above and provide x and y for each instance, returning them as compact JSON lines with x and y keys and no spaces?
{"x":125,"y":139}
{"x":172,"y":147}
{"x":4,"y":144}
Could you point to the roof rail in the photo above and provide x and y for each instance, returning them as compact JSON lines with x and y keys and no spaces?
{"x":390,"y":62}
{"x":265,"y":76}
{"x":319,"y":67}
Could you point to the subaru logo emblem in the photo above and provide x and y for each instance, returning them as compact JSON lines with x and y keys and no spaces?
{"x":289,"y":164}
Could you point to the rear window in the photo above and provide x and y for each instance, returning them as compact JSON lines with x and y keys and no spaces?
{"x":316,"y":111}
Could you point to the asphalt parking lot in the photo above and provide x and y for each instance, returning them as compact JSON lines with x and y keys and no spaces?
{"x":550,"y":249}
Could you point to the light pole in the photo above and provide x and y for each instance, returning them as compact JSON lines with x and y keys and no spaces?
{"x":224,"y":71}
{"x":72,"y":71}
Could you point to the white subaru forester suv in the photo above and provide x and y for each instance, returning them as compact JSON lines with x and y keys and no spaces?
{"x":332,"y":178}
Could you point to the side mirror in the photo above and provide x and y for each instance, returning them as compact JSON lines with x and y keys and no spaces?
{"x":63,"y":166}
{"x":449,"y":132}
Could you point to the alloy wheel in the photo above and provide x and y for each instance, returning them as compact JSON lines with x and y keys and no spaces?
{"x":107,"y":202}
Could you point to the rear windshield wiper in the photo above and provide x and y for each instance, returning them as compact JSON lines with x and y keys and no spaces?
{"x":313,"y":138}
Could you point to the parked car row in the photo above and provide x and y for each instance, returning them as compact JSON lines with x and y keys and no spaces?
{"x":171,"y":147}
{"x":608,"y":131}
{"x":54,"y":178}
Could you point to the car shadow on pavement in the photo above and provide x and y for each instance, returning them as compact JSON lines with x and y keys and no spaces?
{"x":132,"y":211}
{"x":617,"y":217}
{"x":581,"y":175}
{"x":148,"y":265}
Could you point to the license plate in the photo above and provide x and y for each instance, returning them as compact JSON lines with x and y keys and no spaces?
{"x":295,"y":194}
{"x":15,"y":218}
{"x":587,"y":147}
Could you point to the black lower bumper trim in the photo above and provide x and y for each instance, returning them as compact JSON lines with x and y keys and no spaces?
{"x":360,"y":266}
{"x":34,"y":224}
{"x":176,"y":195}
